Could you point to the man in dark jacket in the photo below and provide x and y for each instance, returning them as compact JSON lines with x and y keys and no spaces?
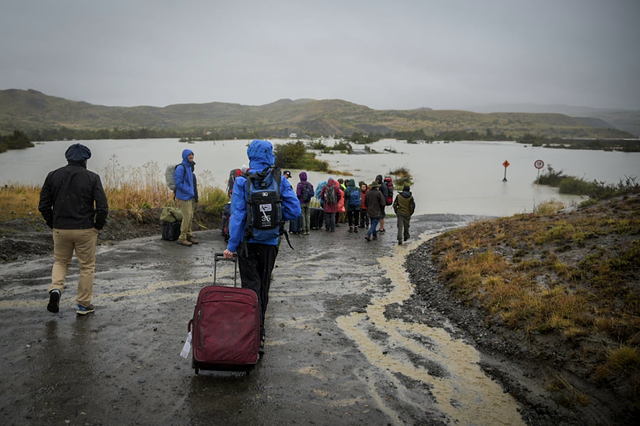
{"x":385,"y":193}
{"x":404,"y":206}
{"x":375,"y":202}
{"x":74,"y":205}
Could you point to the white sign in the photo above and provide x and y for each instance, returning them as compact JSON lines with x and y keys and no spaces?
{"x":538,"y":164}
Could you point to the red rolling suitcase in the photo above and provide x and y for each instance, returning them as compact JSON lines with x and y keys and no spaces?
{"x":225,"y":326}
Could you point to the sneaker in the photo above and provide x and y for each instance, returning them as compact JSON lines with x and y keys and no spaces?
{"x":54,"y":301}
{"x":192,"y":240}
{"x":84,"y":310}
{"x":185,"y":243}
{"x":382,"y":231}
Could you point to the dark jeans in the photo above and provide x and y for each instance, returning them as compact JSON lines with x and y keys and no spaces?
{"x":352,"y":216}
{"x":330,"y":221}
{"x":255,"y":273}
{"x":364,"y":219}
{"x":372,"y":230}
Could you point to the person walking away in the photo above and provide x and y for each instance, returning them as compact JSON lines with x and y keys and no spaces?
{"x":330,"y":196}
{"x":258,"y":250}
{"x":385,"y":193}
{"x":186,"y":194}
{"x":352,"y":195}
{"x":376,"y":203}
{"x":404,"y":205}
{"x":74,"y":206}
{"x":364,"y":218}
{"x":305,"y":193}
{"x":342,"y":211}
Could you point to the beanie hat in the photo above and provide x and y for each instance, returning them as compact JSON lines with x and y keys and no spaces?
{"x":406,"y":188}
{"x":77,"y":153}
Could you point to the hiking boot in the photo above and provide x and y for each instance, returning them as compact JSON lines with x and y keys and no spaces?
{"x":355,"y":229}
{"x":406,"y":238}
{"x":350,"y":229}
{"x":400,"y":242}
{"x":84,"y":310}
{"x":185,"y":243}
{"x":261,"y":349}
{"x":192,"y":240}
{"x":54,"y":301}
{"x":367,"y":238}
{"x":375,"y":237}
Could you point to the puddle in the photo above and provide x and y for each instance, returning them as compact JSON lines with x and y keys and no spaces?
{"x":448,"y":367}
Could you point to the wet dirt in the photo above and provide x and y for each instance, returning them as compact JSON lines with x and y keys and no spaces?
{"x":348,"y":342}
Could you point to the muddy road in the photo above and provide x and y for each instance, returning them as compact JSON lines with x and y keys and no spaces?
{"x":332,"y":357}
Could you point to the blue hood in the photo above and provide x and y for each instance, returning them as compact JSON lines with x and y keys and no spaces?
{"x":260,"y":155}
{"x":185,"y":154}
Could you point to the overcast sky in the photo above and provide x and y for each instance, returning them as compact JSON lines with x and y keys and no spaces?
{"x":396,"y":54}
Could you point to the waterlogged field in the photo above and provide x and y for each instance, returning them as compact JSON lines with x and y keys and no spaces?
{"x":460,"y":177}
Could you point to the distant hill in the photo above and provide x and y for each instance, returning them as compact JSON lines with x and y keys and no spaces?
{"x":31,"y":110}
{"x":625,"y":120}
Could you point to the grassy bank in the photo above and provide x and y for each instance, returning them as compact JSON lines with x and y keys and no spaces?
{"x":134,"y":189}
{"x":567,"y":184}
{"x":570,"y":280}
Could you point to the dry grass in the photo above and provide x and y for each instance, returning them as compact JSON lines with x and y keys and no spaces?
{"x":575,"y":275}
{"x":129,"y":188}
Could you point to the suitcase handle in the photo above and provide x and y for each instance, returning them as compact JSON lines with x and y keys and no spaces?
{"x":220,"y":256}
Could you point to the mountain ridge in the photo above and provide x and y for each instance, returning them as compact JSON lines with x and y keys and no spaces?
{"x":31,"y":110}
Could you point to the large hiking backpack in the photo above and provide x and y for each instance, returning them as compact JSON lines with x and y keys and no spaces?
{"x":169,"y":175}
{"x":264,"y":204}
{"x":354,"y":197}
{"x":330,"y":195}
{"x":389,"y":183}
{"x":307,"y":192}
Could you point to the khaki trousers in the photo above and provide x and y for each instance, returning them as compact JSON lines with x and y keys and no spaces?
{"x":186,"y":207}
{"x":83,"y":242}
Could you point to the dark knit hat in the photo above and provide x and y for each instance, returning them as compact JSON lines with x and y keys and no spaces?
{"x":77,"y":153}
{"x":406,"y":188}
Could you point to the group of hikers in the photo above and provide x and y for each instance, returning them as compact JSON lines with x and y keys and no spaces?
{"x":361,"y":206}
{"x":74,"y":205}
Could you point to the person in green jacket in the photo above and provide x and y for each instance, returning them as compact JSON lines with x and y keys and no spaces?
{"x":404,"y":206}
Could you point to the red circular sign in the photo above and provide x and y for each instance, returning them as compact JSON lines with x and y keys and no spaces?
{"x":538,"y":164}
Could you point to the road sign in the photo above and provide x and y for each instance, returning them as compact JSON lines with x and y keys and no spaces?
{"x":505,"y":164}
{"x":538,"y":164}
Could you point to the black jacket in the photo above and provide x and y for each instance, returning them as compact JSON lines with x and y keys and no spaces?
{"x":68,"y":197}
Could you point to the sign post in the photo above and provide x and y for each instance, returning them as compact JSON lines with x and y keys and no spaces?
{"x":505,"y":164}
{"x":538,"y":164}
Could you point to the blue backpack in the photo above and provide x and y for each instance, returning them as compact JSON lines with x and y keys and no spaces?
{"x":264,"y":205}
{"x":354,"y":198}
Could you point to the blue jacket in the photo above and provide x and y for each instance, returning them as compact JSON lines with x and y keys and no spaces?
{"x":185,"y":189}
{"x":260,"y":155}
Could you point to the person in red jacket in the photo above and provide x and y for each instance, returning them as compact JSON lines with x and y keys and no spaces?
{"x":330,"y":195}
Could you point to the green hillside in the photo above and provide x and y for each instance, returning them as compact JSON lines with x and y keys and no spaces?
{"x":30,"y":110}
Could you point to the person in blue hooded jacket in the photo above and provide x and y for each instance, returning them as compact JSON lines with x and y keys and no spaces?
{"x":187,"y":196}
{"x":256,"y":259}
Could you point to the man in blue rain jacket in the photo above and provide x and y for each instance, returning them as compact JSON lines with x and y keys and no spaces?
{"x":257,"y":259}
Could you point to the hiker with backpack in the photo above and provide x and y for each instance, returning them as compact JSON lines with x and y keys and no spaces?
{"x":352,"y":204}
{"x":187,"y":196}
{"x":330,"y":196}
{"x":364,"y":218}
{"x":305,"y":193}
{"x":404,"y":206}
{"x":376,"y":203}
{"x":261,"y":202}
{"x":384,"y":189}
